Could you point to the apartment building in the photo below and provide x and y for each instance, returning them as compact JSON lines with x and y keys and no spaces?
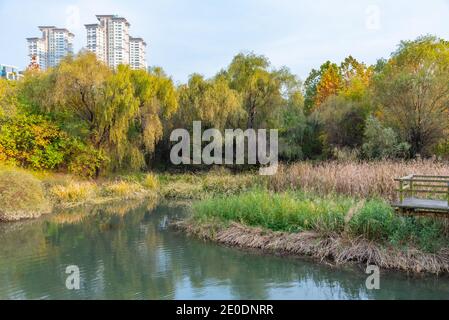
{"x":51,"y":48}
{"x":109,"y":39}
{"x":10,"y":72}
{"x":137,"y":53}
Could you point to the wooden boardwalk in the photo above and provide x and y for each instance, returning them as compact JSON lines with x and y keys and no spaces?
{"x":423,"y":204}
{"x":435,"y":187}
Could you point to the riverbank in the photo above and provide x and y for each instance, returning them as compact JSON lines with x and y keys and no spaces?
{"x":334,"y":228}
{"x":29,"y":195}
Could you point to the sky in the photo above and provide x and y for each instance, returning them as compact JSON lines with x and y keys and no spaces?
{"x":202,"y":36}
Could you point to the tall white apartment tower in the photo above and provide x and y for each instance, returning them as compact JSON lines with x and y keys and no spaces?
{"x":109,"y":39}
{"x":52,"y":47}
{"x":137,"y":53}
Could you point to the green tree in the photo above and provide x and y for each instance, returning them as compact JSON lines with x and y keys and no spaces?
{"x":381,"y":142}
{"x":342,"y":122}
{"x":210,"y":101}
{"x":260,"y":88}
{"x":157,"y":101}
{"x":413,"y":92}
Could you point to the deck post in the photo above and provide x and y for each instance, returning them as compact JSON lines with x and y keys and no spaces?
{"x":411,"y":187}
{"x":401,"y":191}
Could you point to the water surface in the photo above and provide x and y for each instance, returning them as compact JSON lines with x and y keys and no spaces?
{"x":128,"y":251}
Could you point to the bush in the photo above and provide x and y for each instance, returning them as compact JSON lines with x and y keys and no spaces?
{"x":84,"y":160}
{"x":31,"y":141}
{"x":21,"y":196}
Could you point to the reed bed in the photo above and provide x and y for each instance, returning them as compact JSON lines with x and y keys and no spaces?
{"x":355,"y":179}
{"x":336,"y":248}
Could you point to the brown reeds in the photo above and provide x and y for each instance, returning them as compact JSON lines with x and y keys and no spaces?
{"x":356,"y":179}
{"x":335,"y":248}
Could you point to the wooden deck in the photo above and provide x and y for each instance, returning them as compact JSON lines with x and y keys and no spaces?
{"x":435,"y":188}
{"x":423,"y":204}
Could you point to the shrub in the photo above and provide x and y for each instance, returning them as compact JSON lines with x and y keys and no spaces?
{"x":85,"y":161}
{"x":21,"y":195}
{"x":32,"y":141}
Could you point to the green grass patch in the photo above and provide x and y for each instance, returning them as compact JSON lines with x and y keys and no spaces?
{"x":298,"y":212}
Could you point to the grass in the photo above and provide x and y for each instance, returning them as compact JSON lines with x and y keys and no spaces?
{"x":28,"y":194}
{"x":355,"y":179}
{"x":73,"y":192}
{"x":21,"y":195}
{"x":207,"y":185}
{"x":297,"y":212}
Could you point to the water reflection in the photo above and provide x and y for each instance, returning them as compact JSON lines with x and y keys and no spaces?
{"x":127,"y":251}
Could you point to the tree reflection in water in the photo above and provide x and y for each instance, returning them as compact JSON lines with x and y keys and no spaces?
{"x":127,"y":251}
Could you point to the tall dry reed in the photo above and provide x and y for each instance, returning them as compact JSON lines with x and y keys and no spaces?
{"x":372,"y":179}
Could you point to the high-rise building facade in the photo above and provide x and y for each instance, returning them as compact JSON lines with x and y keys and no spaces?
{"x":109,"y":39}
{"x":137,"y":53}
{"x":51,"y":48}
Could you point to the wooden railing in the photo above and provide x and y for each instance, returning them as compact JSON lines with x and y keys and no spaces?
{"x":413,"y":185}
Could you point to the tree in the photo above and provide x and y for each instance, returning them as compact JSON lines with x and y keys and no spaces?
{"x":210,"y":101}
{"x":381,"y":142}
{"x":260,"y":87}
{"x":320,"y":84}
{"x":157,"y":101}
{"x":330,"y":84}
{"x":118,"y":112}
{"x":343,"y":122}
{"x":413,"y":92}
{"x":356,"y":79}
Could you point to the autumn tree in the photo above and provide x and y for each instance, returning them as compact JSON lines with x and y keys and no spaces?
{"x":118,"y":112}
{"x":413,"y":92}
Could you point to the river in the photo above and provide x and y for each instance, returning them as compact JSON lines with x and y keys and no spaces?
{"x":128,"y":251}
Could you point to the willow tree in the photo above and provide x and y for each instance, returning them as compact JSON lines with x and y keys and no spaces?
{"x":259,"y":85}
{"x":210,"y":101}
{"x":157,"y":103}
{"x":413,"y":92}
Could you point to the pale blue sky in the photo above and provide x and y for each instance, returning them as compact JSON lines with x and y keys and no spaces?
{"x":202,"y":36}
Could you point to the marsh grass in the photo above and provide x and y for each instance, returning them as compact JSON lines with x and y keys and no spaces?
{"x":296,"y":212}
{"x":73,"y":192}
{"x":123,"y":190}
{"x":356,"y":179}
{"x":206,"y":185}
